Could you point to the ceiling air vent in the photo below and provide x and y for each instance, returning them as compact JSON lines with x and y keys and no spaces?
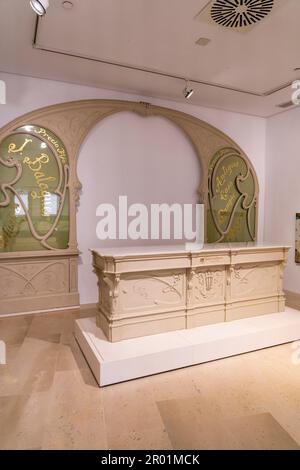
{"x":240,"y":13}
{"x":239,"y":16}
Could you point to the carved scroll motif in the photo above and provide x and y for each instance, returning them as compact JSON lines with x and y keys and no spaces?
{"x":41,"y":168}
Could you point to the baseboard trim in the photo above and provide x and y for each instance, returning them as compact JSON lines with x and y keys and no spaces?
{"x":38,"y":312}
{"x":292,"y":299}
{"x":88,"y":308}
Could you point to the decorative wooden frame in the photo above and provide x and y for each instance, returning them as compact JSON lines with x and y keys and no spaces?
{"x":72,"y":122}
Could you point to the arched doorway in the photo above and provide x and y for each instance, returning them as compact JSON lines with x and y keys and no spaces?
{"x":150,"y":161}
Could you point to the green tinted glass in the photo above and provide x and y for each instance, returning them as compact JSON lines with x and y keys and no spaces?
{"x":232,"y":199}
{"x":34,"y":191}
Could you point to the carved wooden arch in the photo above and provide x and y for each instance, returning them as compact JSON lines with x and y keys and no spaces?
{"x":73,"y":121}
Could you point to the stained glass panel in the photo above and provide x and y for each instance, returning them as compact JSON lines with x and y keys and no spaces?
{"x":34,"y":191}
{"x":232,"y":197}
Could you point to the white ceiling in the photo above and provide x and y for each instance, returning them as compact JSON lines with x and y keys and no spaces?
{"x":158,"y":36}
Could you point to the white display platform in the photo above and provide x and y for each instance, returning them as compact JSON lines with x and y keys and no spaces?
{"x":139,"y":357}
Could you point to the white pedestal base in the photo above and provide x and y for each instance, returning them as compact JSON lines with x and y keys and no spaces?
{"x":130,"y":359}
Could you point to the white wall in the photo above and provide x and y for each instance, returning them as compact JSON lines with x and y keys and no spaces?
{"x":283,"y":187}
{"x":105,"y":146}
{"x":148,"y":160}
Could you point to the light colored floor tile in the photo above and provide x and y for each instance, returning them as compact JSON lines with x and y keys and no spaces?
{"x":22,"y":421}
{"x":132,"y":418}
{"x":13,"y":330}
{"x":260,"y":432}
{"x":47,"y":329}
{"x":70,"y":356}
{"x":49,"y":398}
{"x":32,"y":369}
{"x":191,"y":426}
{"x":75,"y":417}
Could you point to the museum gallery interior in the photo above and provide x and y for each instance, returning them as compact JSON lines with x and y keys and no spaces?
{"x":149,"y":224}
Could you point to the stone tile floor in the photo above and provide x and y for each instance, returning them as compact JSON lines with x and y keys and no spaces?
{"x":49,"y":398}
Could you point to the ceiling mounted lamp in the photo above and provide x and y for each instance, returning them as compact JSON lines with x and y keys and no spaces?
{"x":187,"y":91}
{"x":40,"y":7}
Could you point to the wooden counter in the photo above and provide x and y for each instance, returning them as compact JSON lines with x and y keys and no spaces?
{"x":150,"y":290}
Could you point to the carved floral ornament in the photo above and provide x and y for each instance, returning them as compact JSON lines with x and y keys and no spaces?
{"x":39,"y":187}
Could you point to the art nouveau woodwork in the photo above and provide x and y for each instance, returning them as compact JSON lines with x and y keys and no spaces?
{"x":71,"y":123}
{"x":144,"y":291}
{"x":232,"y":197}
{"x":34,"y":282}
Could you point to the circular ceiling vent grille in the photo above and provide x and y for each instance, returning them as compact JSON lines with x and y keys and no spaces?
{"x":240,"y":13}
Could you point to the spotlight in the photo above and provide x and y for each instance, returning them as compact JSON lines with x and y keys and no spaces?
{"x":187,"y":91}
{"x":39,"y":6}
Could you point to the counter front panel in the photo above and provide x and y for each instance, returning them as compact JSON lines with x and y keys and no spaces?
{"x":147,"y":291}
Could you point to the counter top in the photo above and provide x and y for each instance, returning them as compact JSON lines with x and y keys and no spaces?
{"x":128,"y":251}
